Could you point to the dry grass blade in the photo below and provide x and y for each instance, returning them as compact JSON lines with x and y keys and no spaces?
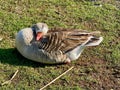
{"x":9,"y":81}
{"x":1,"y":38}
{"x":56,"y":78}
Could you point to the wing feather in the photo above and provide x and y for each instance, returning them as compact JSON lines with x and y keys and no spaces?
{"x":64,"y":39}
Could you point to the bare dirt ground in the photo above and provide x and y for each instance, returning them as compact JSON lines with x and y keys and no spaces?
{"x":105,"y":77}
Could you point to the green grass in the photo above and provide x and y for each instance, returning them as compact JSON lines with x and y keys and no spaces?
{"x":82,"y":14}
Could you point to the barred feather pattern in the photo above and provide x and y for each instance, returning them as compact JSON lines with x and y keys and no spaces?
{"x":57,"y":42}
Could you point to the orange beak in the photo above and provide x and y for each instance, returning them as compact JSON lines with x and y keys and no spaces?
{"x":39,"y":36}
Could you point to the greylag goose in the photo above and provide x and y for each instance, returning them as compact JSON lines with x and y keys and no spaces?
{"x":58,"y":45}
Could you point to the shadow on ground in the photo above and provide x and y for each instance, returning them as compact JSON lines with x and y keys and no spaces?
{"x":13,"y":57}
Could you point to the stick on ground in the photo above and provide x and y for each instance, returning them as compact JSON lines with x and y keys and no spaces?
{"x":9,"y":81}
{"x":56,"y":78}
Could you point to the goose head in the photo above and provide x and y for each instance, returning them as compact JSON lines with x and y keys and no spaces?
{"x":40,"y":30}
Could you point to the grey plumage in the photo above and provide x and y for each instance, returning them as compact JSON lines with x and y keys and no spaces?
{"x":58,"y":45}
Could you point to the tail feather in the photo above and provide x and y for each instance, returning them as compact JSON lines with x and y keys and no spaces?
{"x":94,"y":41}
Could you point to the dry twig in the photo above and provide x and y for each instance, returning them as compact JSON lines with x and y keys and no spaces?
{"x":9,"y":81}
{"x":56,"y":78}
